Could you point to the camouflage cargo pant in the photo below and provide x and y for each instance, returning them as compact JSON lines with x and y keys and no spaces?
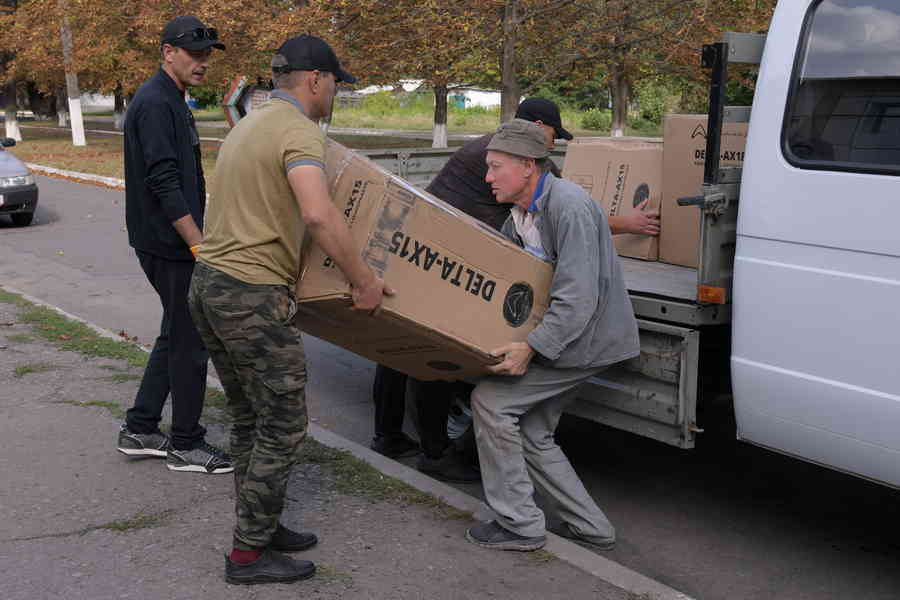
{"x":260,"y":360}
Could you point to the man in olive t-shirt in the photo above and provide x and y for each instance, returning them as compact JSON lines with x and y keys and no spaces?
{"x":269,"y":193}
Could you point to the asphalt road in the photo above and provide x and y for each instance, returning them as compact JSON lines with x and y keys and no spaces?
{"x":726,"y":521}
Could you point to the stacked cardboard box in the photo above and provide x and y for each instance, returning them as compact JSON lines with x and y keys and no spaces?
{"x":684,"y":156}
{"x":620,"y":176}
{"x":462,"y":289}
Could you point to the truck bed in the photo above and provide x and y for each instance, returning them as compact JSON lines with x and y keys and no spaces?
{"x":661,"y":291}
{"x":660,"y":279}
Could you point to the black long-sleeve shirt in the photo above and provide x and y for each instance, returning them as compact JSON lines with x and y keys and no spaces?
{"x":163,"y":174}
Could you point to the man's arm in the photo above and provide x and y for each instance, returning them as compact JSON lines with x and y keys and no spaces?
{"x":188,"y":230}
{"x":330,"y":232}
{"x":640,"y":221}
{"x":157,"y":139}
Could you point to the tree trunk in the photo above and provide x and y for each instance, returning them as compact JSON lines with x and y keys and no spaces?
{"x":62,"y":107}
{"x":71,"y":76}
{"x":38,"y":104}
{"x":619,"y":91}
{"x":10,"y":107}
{"x":510,"y":90}
{"x":439,"y":139}
{"x":118,"y":108}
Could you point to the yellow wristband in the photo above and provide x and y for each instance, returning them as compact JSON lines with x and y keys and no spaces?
{"x":195,"y":249}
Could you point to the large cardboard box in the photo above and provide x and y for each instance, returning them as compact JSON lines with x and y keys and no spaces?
{"x":619,"y":176}
{"x":463,"y":290}
{"x":684,"y":156}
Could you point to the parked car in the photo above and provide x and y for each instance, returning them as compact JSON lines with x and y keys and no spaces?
{"x":18,"y":191}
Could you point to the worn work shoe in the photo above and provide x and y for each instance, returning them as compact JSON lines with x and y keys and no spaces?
{"x":270,"y":567}
{"x":142,"y":444}
{"x":492,"y":535}
{"x":286,"y":540}
{"x":449,"y":467}
{"x":594,"y":543}
{"x":205,"y":458}
{"x":395,"y":446}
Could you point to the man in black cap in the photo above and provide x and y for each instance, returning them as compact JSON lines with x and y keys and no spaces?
{"x":165,"y":196}
{"x":270,"y":193}
{"x":461,"y":183}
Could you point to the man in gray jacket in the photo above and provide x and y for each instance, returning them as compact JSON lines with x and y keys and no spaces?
{"x":588,"y":326}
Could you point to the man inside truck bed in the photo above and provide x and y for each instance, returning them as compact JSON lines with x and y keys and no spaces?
{"x":588,"y":326}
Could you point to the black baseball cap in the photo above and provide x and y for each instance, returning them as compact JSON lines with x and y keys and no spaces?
{"x":545,"y":111}
{"x":309,"y":53}
{"x":190,"y":33}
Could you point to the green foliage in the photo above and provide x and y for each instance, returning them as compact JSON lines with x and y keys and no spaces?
{"x":741,"y":87}
{"x":656,"y":97}
{"x":641,"y":126}
{"x":207,"y":95}
{"x":596,"y":119}
{"x":555,"y":94}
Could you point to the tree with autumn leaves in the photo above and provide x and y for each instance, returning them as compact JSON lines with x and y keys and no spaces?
{"x":516,"y":45}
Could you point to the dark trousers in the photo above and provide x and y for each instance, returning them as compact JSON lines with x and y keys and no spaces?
{"x":389,"y":395}
{"x":178,"y":361}
{"x":432,"y":401}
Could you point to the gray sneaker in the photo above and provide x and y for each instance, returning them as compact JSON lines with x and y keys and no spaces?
{"x":142,"y":444}
{"x":492,"y":535}
{"x":205,"y":458}
{"x":567,"y":531}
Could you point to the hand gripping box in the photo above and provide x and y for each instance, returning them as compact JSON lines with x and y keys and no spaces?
{"x":462,"y":290}
{"x":620,"y":175}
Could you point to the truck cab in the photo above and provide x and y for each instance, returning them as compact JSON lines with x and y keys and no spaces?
{"x":816,"y":298}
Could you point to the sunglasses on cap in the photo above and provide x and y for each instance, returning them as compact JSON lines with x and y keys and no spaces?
{"x":195,"y":35}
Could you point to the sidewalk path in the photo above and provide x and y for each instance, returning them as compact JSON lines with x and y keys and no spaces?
{"x":79,"y":520}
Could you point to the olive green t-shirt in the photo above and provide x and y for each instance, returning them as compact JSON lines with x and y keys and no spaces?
{"x":253,"y":230}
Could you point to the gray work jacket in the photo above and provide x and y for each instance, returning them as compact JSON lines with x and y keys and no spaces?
{"x":590,"y":321}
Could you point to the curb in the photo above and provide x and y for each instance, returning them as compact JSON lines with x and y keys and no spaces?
{"x":111,"y":182}
{"x":570,"y":552}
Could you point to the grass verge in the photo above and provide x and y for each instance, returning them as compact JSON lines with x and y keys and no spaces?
{"x":23,"y":370}
{"x":72,"y":335}
{"x":122,"y":378}
{"x":20,"y":338}
{"x":114,"y":409}
{"x":137,"y":522}
{"x":48,"y":145}
{"x":357,"y":478}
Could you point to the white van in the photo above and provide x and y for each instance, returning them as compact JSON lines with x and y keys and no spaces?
{"x":810,"y":230}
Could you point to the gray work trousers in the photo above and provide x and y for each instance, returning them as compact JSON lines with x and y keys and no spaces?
{"x":515,"y":418}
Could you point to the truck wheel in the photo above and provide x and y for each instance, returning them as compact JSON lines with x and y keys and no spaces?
{"x":22,"y":219}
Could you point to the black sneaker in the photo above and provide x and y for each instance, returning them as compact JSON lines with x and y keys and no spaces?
{"x":449,"y":467}
{"x":205,"y":458}
{"x":286,"y":540}
{"x":143,"y":444}
{"x":395,"y":446}
{"x":492,"y":535}
{"x":270,"y":567}
{"x":567,"y":531}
